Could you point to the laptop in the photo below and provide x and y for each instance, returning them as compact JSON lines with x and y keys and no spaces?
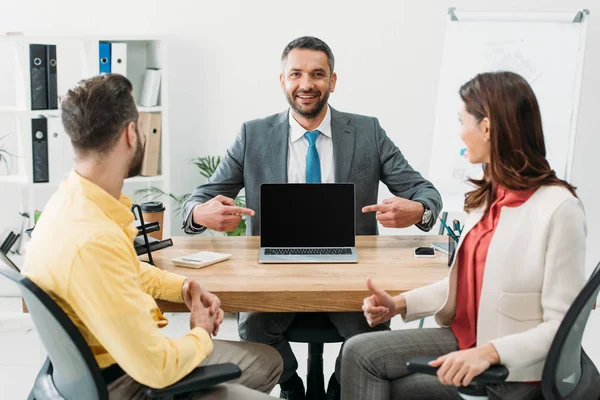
{"x":307,"y":223}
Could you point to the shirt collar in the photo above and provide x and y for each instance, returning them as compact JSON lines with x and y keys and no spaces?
{"x":117,"y":210}
{"x":297,"y":131}
{"x":509,"y":195}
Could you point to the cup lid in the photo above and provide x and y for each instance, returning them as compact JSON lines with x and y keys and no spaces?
{"x":152,"y":206}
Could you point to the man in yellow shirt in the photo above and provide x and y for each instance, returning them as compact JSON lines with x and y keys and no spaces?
{"x":82,"y":255}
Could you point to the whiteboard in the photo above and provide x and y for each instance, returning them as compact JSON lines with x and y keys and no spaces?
{"x":546,"y":48}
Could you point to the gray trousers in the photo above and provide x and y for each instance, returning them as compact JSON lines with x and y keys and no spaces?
{"x":261,"y":367}
{"x":374,"y":367}
{"x":268,"y":328}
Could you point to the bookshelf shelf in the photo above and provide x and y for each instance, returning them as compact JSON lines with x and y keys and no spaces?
{"x":20,"y":179}
{"x":145,"y":179}
{"x":8,"y":111}
{"x":150,"y":109}
{"x":77,"y":58}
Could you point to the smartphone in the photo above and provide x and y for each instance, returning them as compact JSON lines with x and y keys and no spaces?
{"x":424,"y":252}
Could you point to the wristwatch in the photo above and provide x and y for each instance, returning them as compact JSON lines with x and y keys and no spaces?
{"x":426,"y":214}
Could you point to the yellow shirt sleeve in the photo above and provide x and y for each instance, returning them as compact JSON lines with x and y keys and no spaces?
{"x":106,"y":291}
{"x":161,"y":284}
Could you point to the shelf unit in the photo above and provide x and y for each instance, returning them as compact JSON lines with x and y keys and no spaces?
{"x":77,"y":59}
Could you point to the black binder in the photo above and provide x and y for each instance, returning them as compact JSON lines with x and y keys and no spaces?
{"x":52,"y":85}
{"x":39,"y":148}
{"x":39,"y":76}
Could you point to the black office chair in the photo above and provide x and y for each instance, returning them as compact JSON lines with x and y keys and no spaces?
{"x":314,"y":329}
{"x":568,"y":372}
{"x":70,"y":371}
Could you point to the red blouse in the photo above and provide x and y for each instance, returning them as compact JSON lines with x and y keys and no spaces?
{"x":471,"y":264}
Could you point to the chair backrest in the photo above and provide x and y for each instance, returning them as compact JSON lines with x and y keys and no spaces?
{"x":76,"y":374}
{"x":567,"y":369}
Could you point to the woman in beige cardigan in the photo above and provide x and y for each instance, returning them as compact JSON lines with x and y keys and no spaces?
{"x":518,"y":266}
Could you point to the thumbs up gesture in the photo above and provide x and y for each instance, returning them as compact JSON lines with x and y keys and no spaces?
{"x":380,"y":306}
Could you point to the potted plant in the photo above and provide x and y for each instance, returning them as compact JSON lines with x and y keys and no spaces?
{"x":5,"y":157}
{"x":206,"y":166}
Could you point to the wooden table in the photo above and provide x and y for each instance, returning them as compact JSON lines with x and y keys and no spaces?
{"x":243,"y":284}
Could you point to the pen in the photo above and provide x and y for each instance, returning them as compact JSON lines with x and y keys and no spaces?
{"x":450,"y":232}
{"x":457,"y":227}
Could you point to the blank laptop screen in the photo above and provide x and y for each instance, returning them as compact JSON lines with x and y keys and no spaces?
{"x":307,"y":215}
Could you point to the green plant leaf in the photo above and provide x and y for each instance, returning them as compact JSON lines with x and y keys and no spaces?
{"x":206,"y":165}
{"x":240,"y":230}
{"x":240,"y":201}
{"x":148,"y":194}
{"x":5,"y":156}
{"x":154,"y":193}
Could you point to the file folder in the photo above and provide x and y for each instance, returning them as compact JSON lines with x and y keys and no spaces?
{"x":60,"y":151}
{"x":118,"y":58}
{"x":150,"y":127}
{"x":38,"y":76}
{"x":104,"y":58}
{"x":39,"y":149}
{"x":149,"y":97}
{"x":52,"y":84}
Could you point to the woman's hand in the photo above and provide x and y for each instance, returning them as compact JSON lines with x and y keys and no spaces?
{"x":381,"y":307}
{"x":460,"y":367}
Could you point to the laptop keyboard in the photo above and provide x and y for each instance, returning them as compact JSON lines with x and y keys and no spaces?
{"x":304,"y":252}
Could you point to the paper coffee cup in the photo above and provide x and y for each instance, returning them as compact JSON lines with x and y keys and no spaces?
{"x":154,"y":211}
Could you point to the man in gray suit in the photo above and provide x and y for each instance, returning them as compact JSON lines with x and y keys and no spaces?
{"x":311,"y":142}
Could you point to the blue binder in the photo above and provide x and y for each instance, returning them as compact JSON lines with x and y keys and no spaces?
{"x":104,"y":61}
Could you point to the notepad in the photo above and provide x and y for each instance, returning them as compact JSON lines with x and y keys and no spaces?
{"x":441,"y":247}
{"x":201,"y":259}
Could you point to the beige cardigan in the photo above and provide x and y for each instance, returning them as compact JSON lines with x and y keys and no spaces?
{"x":534,"y":269}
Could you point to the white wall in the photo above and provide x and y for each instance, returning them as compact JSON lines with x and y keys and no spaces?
{"x":224,"y":66}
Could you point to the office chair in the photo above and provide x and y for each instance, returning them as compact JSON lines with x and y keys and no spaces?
{"x":314,"y":329}
{"x":568,"y":371}
{"x":71,"y":372}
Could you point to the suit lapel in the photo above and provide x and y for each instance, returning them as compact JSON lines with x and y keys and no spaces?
{"x":278,"y":147}
{"x":344,"y":137}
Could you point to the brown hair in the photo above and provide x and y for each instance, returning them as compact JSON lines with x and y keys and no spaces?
{"x":310,"y":43}
{"x":96,"y":111}
{"x":518,"y":152}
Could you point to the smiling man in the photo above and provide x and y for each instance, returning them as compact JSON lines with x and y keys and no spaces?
{"x":311,"y":143}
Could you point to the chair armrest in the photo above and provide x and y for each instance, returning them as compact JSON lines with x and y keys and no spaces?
{"x":197,"y":380}
{"x":494,"y":374}
{"x":43,"y":386}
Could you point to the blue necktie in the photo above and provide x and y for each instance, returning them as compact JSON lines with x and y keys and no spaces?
{"x":313,"y":164}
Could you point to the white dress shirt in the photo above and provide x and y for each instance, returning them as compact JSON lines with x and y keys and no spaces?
{"x":298,"y":148}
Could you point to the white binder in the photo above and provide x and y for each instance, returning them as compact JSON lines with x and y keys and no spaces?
{"x":149,"y":97}
{"x":60,"y":151}
{"x":118,"y":64}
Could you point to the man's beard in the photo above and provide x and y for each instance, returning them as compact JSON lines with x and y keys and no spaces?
{"x":307,"y":114}
{"x":135,"y":167}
